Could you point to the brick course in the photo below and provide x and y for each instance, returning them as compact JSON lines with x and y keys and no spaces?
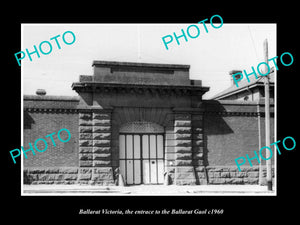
{"x":39,"y":125}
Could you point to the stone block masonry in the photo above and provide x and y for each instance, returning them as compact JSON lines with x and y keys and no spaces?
{"x":198,"y":153}
{"x":50,"y":175}
{"x":189,"y":153}
{"x":184,"y":174}
{"x":104,"y":175}
{"x":95,"y":148}
{"x":231,"y":175}
{"x":85,"y":139}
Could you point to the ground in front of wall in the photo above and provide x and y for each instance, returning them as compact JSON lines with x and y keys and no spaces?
{"x":147,"y":190}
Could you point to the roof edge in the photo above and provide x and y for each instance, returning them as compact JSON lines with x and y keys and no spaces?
{"x":101,"y":63}
{"x":222,"y":95}
{"x":50,"y":98}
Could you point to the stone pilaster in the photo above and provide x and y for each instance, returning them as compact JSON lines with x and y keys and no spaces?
{"x":102,"y":170}
{"x":184,"y":170}
{"x":85,"y":139}
{"x":95,"y":147}
{"x":85,"y":146}
{"x":198,"y":148}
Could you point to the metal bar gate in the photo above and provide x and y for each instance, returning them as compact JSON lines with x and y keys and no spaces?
{"x":142,"y":158}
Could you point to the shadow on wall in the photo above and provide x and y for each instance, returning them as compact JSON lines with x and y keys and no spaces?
{"x":213,"y":124}
{"x":27,"y":120}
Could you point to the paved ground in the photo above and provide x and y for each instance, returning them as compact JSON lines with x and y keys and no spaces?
{"x":147,"y":190}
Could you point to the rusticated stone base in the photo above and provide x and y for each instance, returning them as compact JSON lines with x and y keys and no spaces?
{"x":231,"y":175}
{"x":190,"y":175}
{"x":201,"y":175}
{"x":96,"y":176}
{"x":185,"y":175}
{"x":69,"y":175}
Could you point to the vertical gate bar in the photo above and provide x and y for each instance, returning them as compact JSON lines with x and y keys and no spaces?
{"x":141,"y":158}
{"x":149,"y":158}
{"x":133,"y":159}
{"x":164,"y":152}
{"x":156,"y":159}
{"x":125,"y":137}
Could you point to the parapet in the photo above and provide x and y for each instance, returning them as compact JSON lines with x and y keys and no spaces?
{"x":50,"y":102}
{"x":140,"y":73}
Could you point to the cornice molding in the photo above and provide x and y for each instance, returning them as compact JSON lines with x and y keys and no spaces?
{"x":162,"y":90}
{"x":231,"y":113}
{"x":50,"y":110}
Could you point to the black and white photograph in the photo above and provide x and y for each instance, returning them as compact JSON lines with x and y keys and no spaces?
{"x":142,"y":119}
{"x":152,"y":119}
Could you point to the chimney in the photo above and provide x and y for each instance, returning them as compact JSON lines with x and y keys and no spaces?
{"x":238,"y":76}
{"x":41,"y":92}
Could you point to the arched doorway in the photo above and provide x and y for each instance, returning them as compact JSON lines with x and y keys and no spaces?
{"x":141,"y":153}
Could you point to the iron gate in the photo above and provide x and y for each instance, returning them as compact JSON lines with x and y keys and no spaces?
{"x":142,"y":158}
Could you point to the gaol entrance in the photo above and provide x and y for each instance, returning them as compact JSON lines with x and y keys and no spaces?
{"x":141,"y":146}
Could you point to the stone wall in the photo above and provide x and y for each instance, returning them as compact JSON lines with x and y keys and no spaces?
{"x":95,"y":147}
{"x":183,"y":149}
{"x":231,"y":175}
{"x":188,"y":133}
{"x":218,"y":175}
{"x":50,"y":175}
{"x":68,"y":175}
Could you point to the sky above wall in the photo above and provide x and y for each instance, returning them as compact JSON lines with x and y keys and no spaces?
{"x":211,"y":55}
